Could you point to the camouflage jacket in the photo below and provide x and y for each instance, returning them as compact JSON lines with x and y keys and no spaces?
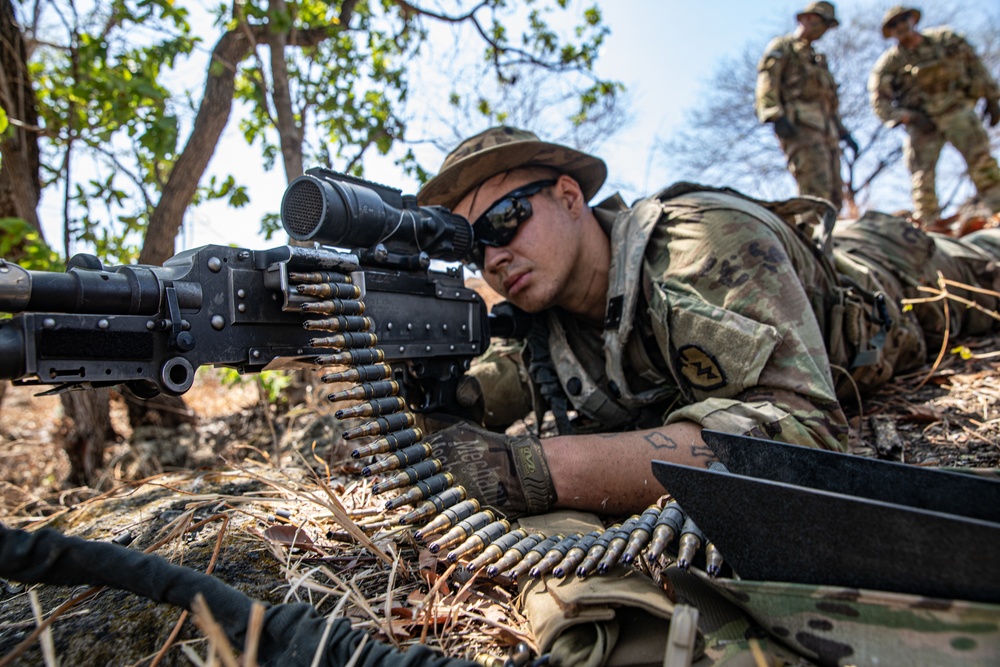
{"x":793,"y":80}
{"x":705,"y":323}
{"x":941,"y":74}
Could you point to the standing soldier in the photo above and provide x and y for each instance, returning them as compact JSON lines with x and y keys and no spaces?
{"x":930,"y":82}
{"x":797,"y":93}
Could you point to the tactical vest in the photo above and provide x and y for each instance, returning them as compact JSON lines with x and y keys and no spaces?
{"x":855,"y":317}
{"x":933,"y":77}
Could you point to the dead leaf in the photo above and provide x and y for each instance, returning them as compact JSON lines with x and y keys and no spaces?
{"x":290,"y":536}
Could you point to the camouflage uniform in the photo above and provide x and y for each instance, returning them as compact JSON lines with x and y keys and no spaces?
{"x":794,"y":82}
{"x":742,"y":326}
{"x":942,"y":78}
{"x":721,"y":312}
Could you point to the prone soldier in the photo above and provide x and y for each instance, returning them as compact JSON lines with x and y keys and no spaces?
{"x":695,"y":308}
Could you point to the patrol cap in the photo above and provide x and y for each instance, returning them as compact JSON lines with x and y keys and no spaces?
{"x":500,"y":149}
{"x":824,"y":10}
{"x":896,"y":12}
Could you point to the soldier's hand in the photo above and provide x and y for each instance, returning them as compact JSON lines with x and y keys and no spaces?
{"x":784,"y":128}
{"x":850,"y":142}
{"x":920,"y":120}
{"x":993,"y":112}
{"x":505,"y":473}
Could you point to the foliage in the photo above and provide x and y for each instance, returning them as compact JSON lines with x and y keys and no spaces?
{"x":106,"y":112}
{"x":322,"y":82}
{"x":21,"y":242}
{"x":272,"y":384}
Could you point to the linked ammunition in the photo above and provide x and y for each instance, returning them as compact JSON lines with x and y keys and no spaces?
{"x":380,"y":389}
{"x":422,"y":490}
{"x":667,"y":527}
{"x":617,"y":545}
{"x":713,"y":560}
{"x":462,"y":530}
{"x":316,"y":277}
{"x":330,"y":290}
{"x":407,"y":476}
{"x":479,"y":540}
{"x":372,"y":373}
{"x":513,"y":555}
{"x":381,"y":426}
{"x":493,"y":551}
{"x":576,"y":554}
{"x":448,"y":518}
{"x":640,"y":535}
{"x":339,"y":323}
{"x":373,"y":408}
{"x":595,"y":553}
{"x":346,"y":341}
{"x":519,"y":656}
{"x":356,"y":357}
{"x":399,"y":459}
{"x":554,"y":556}
{"x":334,"y":307}
{"x":436,"y":503}
{"x":389,"y":443}
{"x":691,"y":540}
{"x":534,"y":555}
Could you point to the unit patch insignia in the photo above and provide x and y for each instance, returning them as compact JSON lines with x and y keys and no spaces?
{"x":699,"y":368}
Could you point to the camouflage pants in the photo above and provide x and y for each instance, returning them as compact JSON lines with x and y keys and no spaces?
{"x":814,"y":160}
{"x":963,"y":130}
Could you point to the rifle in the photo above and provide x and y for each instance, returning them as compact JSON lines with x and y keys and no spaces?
{"x":151,"y":327}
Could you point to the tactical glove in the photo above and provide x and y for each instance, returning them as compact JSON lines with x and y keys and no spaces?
{"x":850,"y":142}
{"x":784,"y":128}
{"x":993,"y":112}
{"x":921,"y":121}
{"x":506,"y":473}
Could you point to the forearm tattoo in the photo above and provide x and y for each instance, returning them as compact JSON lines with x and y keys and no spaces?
{"x":660,"y":440}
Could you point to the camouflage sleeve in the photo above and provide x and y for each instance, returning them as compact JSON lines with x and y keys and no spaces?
{"x":768,"y":92}
{"x":881,"y":92}
{"x":736,"y":325}
{"x":981,"y":82}
{"x":841,"y":129}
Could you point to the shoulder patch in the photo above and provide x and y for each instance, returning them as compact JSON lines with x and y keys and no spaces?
{"x":699,"y":369}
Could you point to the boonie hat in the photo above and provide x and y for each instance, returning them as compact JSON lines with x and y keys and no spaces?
{"x":896,"y":12}
{"x":500,"y":149}
{"x":824,"y":10}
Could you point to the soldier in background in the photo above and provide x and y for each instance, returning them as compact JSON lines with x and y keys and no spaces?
{"x":797,"y":94}
{"x":930,"y":82}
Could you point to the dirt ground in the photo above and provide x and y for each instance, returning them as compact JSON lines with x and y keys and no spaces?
{"x":246,"y":462}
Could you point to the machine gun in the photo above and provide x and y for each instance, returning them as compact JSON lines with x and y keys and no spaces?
{"x":151,"y":327}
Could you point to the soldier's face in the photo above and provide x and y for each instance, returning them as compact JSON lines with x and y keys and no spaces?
{"x":901,"y":27}
{"x":533,"y":269}
{"x":812,"y":26}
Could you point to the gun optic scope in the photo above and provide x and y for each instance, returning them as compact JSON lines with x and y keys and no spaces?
{"x":347,"y":212}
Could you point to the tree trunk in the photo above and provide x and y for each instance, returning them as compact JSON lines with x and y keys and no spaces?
{"x":90,"y":414}
{"x":19,"y":182}
{"x":213,"y":114}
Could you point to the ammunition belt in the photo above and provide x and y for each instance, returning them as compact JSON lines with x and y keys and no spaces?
{"x":440,"y":514}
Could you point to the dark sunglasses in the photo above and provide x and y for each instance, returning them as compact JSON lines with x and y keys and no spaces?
{"x":498,"y":225}
{"x":896,"y":21}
